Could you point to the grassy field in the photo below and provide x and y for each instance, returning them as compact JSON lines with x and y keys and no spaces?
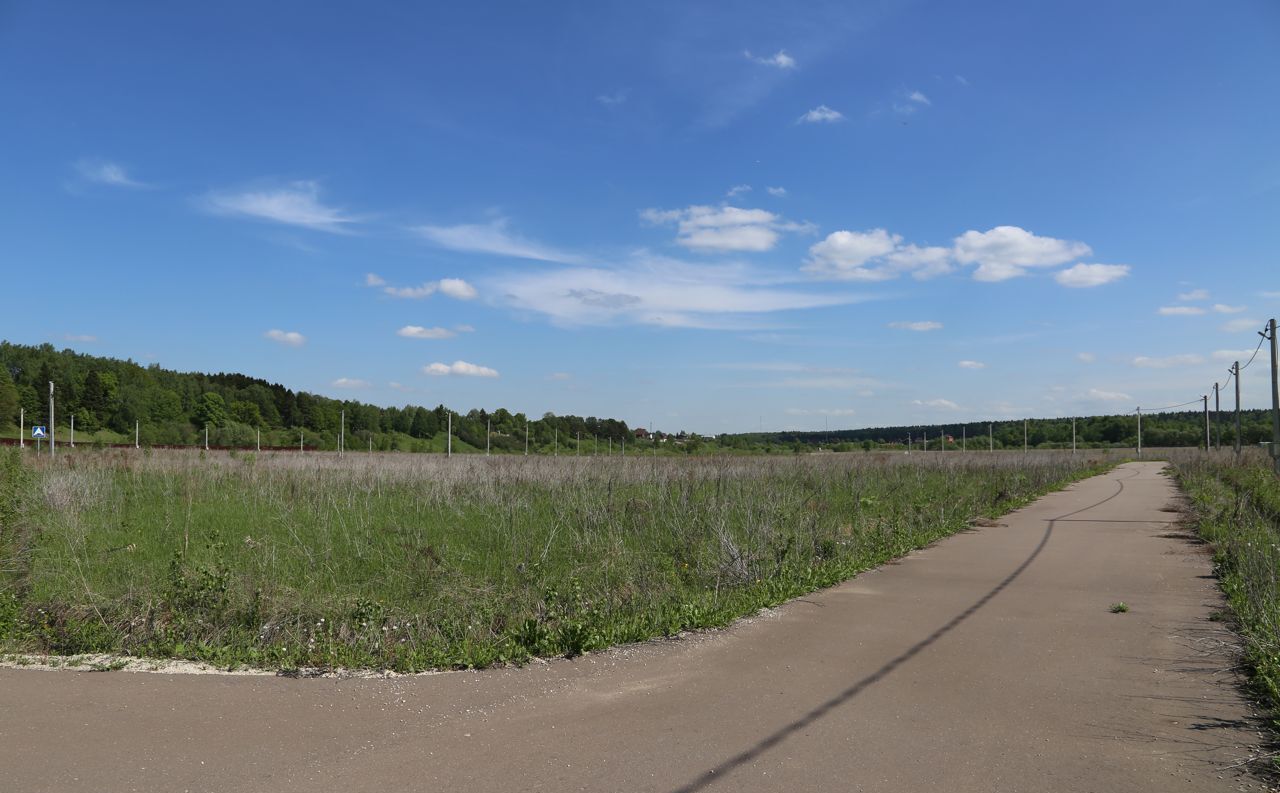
{"x":419,"y":562}
{"x":1237,"y":508}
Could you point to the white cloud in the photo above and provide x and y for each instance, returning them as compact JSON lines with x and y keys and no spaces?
{"x":290,"y":338}
{"x":821,"y":115}
{"x":971,"y":365}
{"x":108,"y":173}
{"x":1194,"y":294}
{"x":1231,"y":355}
{"x":457,"y":289}
{"x":1180,"y":311}
{"x":1270,"y":295}
{"x":561,"y":376}
{"x":427,"y":289}
{"x":655,"y":290}
{"x":612,"y":99}
{"x":1083,"y":276}
{"x":945,"y":404}
{"x":738,"y":190}
{"x":724,"y":228}
{"x":419,"y":332}
{"x":962,"y":80}
{"x":875,"y":255}
{"x":492,"y":238}
{"x":464,"y":328}
{"x":1086,"y":357}
{"x":780,"y":59}
{"x":297,"y":204}
{"x":916,"y":96}
{"x":83,"y":338}
{"x":373,"y":279}
{"x":1108,"y":396}
{"x":460,"y":368}
{"x":777,"y":192}
{"x":820,"y":411}
{"x":350,"y":382}
{"x":1225,"y":309}
{"x":1007,"y":251}
{"x":1190,"y":359}
{"x":1242,"y":325}
{"x":916,"y":326}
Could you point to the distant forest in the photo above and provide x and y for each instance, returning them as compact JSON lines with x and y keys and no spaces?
{"x":107,"y":396}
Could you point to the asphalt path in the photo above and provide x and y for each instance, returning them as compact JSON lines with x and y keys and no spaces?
{"x":988,"y":662}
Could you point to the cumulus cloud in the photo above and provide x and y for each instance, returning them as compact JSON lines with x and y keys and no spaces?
{"x":916,"y":326}
{"x":492,"y":238}
{"x":1190,"y":359}
{"x":1086,"y":357}
{"x":1006,"y":252}
{"x":289,"y":338}
{"x":1194,"y":294}
{"x":108,"y":173}
{"x":821,"y":115}
{"x":1225,"y":309}
{"x":1108,"y":396}
{"x":1180,"y":311}
{"x":1083,"y":276}
{"x":350,"y":382}
{"x":874,"y":255}
{"x":779,"y":60}
{"x":297,"y":204}
{"x":419,"y":332}
{"x":724,"y":228}
{"x":655,"y":290}
{"x":1242,"y":325}
{"x":459,"y":368}
{"x":456,"y":288}
{"x":971,"y":365}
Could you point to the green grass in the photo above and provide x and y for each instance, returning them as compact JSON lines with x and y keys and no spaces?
{"x":411,"y":563}
{"x":1119,"y":608}
{"x":1237,"y":508}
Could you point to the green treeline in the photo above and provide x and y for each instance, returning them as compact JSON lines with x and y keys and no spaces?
{"x":107,"y":396}
{"x":1184,"y":428}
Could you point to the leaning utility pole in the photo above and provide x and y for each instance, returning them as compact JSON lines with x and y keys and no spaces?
{"x":1236,"y":371}
{"x":1275,"y":398}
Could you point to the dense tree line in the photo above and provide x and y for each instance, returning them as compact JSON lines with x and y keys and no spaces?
{"x":1184,"y":428}
{"x":107,"y":396}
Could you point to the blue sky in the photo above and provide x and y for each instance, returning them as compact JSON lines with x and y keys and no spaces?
{"x":716,"y":219}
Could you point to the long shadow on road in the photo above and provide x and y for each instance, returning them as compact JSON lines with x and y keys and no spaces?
{"x":785,"y":732}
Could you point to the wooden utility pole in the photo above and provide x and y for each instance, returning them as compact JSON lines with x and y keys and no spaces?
{"x":1275,"y":399}
{"x":1207,"y":445}
{"x":1217,"y":418}
{"x":1236,"y":371}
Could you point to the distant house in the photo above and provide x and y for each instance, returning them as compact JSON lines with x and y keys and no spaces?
{"x":642,"y":433}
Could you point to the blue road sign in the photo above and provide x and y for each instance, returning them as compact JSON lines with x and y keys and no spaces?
{"x":39,"y":432}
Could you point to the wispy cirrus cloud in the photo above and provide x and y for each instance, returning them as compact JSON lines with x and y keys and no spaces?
{"x":295,"y":204}
{"x":1180,"y":311}
{"x":83,"y":338}
{"x":106,"y":172}
{"x":1222,"y":308}
{"x":1099,"y":395}
{"x":654,"y":290}
{"x":350,"y":382}
{"x":459,"y":369}
{"x":919,"y":327}
{"x":942,"y":404}
{"x":1193,"y":295}
{"x":724,"y":228}
{"x":1242,"y":325}
{"x":1167,"y":362}
{"x":493,"y":238}
{"x":971,"y":364}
